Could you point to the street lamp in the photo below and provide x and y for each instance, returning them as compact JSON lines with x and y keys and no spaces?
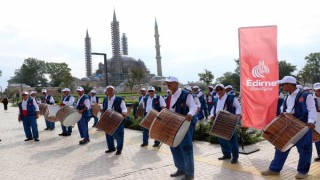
{"x":105,"y":65}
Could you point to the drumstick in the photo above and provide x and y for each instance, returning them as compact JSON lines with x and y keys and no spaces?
{"x":159,"y":146}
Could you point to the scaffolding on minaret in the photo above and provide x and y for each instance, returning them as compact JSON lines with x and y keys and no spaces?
{"x":124,"y":41}
{"x":158,"y":55}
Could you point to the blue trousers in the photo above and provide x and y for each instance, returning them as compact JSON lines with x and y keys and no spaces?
{"x":95,"y":120}
{"x":183,"y":154}
{"x":119,"y":135}
{"x":83,"y":127}
{"x":304,"y":146}
{"x":209,"y":107}
{"x":230,"y":147}
{"x":66,"y":130}
{"x":50,"y":125}
{"x":146,"y":137}
{"x":318,"y":148}
{"x":30,"y":123}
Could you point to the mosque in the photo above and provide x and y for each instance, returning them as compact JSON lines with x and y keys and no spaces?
{"x":120,"y":65}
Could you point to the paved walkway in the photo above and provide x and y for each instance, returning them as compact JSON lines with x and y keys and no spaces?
{"x":56,"y":157}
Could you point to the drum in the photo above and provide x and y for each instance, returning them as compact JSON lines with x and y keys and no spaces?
{"x":315,"y":136}
{"x":109,"y":121}
{"x":169,"y":127}
{"x":148,"y":119}
{"x":68,"y":116}
{"x":224,"y":125}
{"x":285,"y":131}
{"x":95,"y":109}
{"x":51,"y":112}
{"x":42,"y":108}
{"x":317,"y":128}
{"x":140,"y":110}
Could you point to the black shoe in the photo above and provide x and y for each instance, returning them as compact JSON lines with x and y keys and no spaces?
{"x":28,"y":139}
{"x":177,"y":173}
{"x":155,"y":145}
{"x":46,"y":129}
{"x":234,"y":161}
{"x":118,"y":152}
{"x":187,"y":177}
{"x":69,"y":134}
{"x":110,"y":150}
{"x":62,"y":134}
{"x":317,"y":159}
{"x":84,"y":141}
{"x":36,"y":139}
{"x":51,"y":129}
{"x":224,"y":157}
{"x":144,"y":144}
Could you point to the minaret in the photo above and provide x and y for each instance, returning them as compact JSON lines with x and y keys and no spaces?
{"x":158,"y":56}
{"x":87,"y":44}
{"x":124,"y":41}
{"x":115,"y":33}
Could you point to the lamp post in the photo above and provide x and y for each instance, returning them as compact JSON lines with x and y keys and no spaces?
{"x":105,"y":65}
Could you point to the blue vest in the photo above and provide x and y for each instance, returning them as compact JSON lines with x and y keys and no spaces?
{"x":97,"y":98}
{"x":30,"y":107}
{"x":116,"y":104}
{"x":155,"y":102}
{"x":202,"y":101}
{"x":228,"y":103}
{"x":82,"y":106}
{"x":67,"y":98}
{"x":47,"y":101}
{"x":300,"y":106}
{"x":180,"y":106}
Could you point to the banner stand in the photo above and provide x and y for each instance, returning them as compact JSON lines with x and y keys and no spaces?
{"x":247,"y":150}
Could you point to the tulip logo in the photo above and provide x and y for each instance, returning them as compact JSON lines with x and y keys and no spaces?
{"x":260,"y":70}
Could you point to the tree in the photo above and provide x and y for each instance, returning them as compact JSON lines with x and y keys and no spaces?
{"x":230,"y":78}
{"x":285,"y":69}
{"x":311,"y":71}
{"x":138,"y":74}
{"x":206,"y":77}
{"x":32,"y":73}
{"x":130,"y":83}
{"x":59,"y":74}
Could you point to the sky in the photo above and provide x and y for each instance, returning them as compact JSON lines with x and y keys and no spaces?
{"x":194,"y":35}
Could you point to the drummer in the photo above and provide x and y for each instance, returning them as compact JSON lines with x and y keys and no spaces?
{"x":204,"y":110}
{"x":229,"y":103}
{"x":48,"y":99}
{"x":181,"y":101}
{"x":93,"y":101}
{"x":83,"y":106}
{"x":302,"y":106}
{"x":199,"y":113}
{"x":116,"y":103}
{"x":67,"y":100}
{"x":151,"y":101}
{"x":143,"y":93}
{"x":316,"y":89}
{"x":28,"y":114}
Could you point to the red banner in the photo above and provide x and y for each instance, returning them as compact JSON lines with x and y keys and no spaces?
{"x":259,"y":72}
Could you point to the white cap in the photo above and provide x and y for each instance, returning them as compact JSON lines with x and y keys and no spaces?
{"x":80,"y":89}
{"x":316,"y":86}
{"x":210,"y":87}
{"x":33,"y":92}
{"x":44,"y":91}
{"x":299,"y":86}
{"x":93,"y":91}
{"x":188,"y":88}
{"x":288,"y":79}
{"x":168,"y":91}
{"x":172,"y":79}
{"x":306,"y":88}
{"x":151,"y":88}
{"x":25,"y":92}
{"x":109,"y":87}
{"x":229,"y":86}
{"x":66,"y":89}
{"x":219,"y":85}
{"x":195,"y":87}
{"x":143,"y":89}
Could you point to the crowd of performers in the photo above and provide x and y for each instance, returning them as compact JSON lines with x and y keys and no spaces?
{"x":194,"y":105}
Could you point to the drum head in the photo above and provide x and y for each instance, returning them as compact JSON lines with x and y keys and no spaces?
{"x":181,"y":133}
{"x":71,"y":119}
{"x":53,"y":110}
{"x":295,"y":139}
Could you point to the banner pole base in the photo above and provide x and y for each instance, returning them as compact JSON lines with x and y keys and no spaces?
{"x":248,"y":150}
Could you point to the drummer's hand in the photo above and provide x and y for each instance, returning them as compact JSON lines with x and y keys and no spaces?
{"x":281,"y":114}
{"x":238,"y":117}
{"x":37,"y":116}
{"x":311,"y":125}
{"x":189,"y":117}
{"x":19,"y":120}
{"x":124,"y":115}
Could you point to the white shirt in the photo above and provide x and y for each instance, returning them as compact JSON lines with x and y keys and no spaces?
{"x":70,"y":102}
{"x":318,"y":101}
{"x":93,"y":100}
{"x":51,"y":100}
{"x":221,"y":103}
{"x":312,"y":115}
{"x":199,"y":93}
{"x":86,"y":102}
{"x":190,"y":102}
{"x":122,"y":105}
{"x":210,"y":97}
{"x":24,"y":105}
{"x":197,"y":101}
{"x":149,"y":102}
